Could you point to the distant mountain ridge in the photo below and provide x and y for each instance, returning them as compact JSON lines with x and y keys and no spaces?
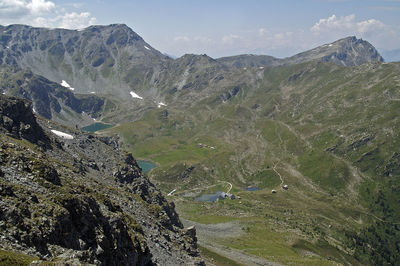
{"x":348,"y":51}
{"x":114,"y":59}
{"x":110,"y":62}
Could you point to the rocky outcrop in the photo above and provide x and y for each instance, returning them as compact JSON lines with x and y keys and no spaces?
{"x":18,"y":121}
{"x":56,"y":205}
{"x":187,"y":172}
{"x":392,"y":168}
{"x":226,"y":96}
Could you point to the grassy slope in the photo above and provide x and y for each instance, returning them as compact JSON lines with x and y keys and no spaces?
{"x":305,"y":122}
{"x":9,"y":258}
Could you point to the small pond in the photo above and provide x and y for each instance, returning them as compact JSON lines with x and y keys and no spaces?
{"x":209,"y":197}
{"x":96,"y":127}
{"x":146,"y":165}
{"x":252,"y":188}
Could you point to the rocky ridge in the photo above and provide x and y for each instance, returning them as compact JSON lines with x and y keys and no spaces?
{"x":348,"y":51}
{"x":63,"y":200}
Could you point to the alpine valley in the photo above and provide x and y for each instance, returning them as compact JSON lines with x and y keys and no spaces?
{"x":302,"y":153}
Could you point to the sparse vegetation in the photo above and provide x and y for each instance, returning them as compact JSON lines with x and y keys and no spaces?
{"x":11,"y":258}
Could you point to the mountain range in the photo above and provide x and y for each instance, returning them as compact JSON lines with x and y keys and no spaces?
{"x":323,"y":122}
{"x":111,"y":61}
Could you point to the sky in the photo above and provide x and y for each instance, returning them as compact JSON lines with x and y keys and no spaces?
{"x":223,"y":27}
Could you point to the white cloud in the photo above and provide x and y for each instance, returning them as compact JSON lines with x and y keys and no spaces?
{"x":333,"y":23}
{"x":203,"y":40}
{"x":230,"y":39}
{"x":40,"y":6}
{"x":370,"y":25}
{"x":15,"y":8}
{"x":181,"y":39}
{"x":10,"y":8}
{"x":42,"y":13}
{"x":77,"y":5}
{"x":346,"y":25}
{"x":76,"y":21}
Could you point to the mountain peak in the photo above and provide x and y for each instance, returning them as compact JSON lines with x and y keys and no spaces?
{"x":105,"y":50}
{"x":348,"y":51}
{"x":349,"y":38}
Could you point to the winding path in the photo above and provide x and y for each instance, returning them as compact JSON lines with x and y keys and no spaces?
{"x":280,"y":177}
{"x":229,"y":183}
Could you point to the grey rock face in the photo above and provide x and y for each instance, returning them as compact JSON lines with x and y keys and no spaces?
{"x":49,"y":99}
{"x":98,"y":58}
{"x":349,"y":51}
{"x":18,"y":121}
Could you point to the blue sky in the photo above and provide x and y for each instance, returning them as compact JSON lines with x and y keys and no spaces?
{"x":223,"y":27}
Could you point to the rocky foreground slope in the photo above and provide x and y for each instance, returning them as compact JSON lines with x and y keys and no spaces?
{"x":75,"y":198}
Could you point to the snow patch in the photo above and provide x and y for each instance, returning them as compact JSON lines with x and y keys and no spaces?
{"x":92,"y":92}
{"x":260,"y":67}
{"x":330,"y":45}
{"x":134,"y":95}
{"x":172,"y":192}
{"x":62,"y":134}
{"x":8,"y":47}
{"x":33,"y":110}
{"x":146,"y":47}
{"x":66,"y":85}
{"x":161,"y":104}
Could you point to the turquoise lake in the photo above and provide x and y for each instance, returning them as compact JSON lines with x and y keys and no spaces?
{"x":96,"y":127}
{"x":146,"y":165}
{"x":209,"y":197}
